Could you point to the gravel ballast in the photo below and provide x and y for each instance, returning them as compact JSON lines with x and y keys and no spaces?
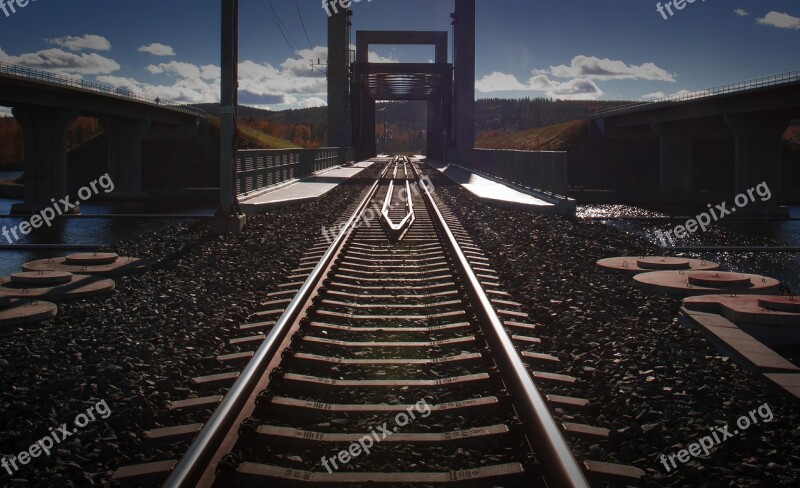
{"x":658,"y":384}
{"x":138,"y":348}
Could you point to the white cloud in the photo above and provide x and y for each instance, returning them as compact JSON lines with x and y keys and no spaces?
{"x":660,"y":94}
{"x":575,"y":89}
{"x":654,"y":96}
{"x":594,"y":68}
{"x":576,"y":81}
{"x":377,"y":58}
{"x":88,"y":42}
{"x":312,"y":102}
{"x":499,"y":82}
{"x":60,"y":61}
{"x":742,"y":12}
{"x":292,"y":83}
{"x":157,"y":49}
{"x":780,"y":20}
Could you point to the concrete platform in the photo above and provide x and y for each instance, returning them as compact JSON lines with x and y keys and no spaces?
{"x":300,"y":191}
{"x":748,"y":352}
{"x":498,"y":194}
{"x":634,"y":265}
{"x":773,"y":320}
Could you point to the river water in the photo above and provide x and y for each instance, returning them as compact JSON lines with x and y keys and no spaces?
{"x":86,"y":230}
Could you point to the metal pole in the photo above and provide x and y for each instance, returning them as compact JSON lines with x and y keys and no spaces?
{"x":228,"y":101}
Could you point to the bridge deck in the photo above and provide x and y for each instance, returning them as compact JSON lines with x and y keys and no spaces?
{"x":303,"y":190}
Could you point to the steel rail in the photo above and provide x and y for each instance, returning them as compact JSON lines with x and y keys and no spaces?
{"x":192,"y":466}
{"x":543,"y":433}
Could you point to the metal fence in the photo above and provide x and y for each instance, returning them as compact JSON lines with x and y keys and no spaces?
{"x":541,"y":171}
{"x":104,"y":88}
{"x":261,"y":168}
{"x":741,"y":86}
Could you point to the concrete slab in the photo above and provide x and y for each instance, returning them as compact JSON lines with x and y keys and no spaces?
{"x":300,"y":191}
{"x":789,"y":383}
{"x":730,"y":340}
{"x":773,"y":320}
{"x":495,"y":193}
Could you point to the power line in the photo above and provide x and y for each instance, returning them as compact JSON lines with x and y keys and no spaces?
{"x":278,"y":25}
{"x":302,"y":22}
{"x":276,"y":19}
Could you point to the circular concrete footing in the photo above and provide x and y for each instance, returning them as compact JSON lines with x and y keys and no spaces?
{"x":780,"y":304}
{"x":41,"y":278}
{"x":692,"y":283}
{"x":21,"y":312}
{"x":91,"y":259}
{"x":77,"y":287}
{"x":119,"y":267}
{"x":633,"y":265}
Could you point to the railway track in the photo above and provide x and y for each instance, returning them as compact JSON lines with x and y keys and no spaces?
{"x":391,"y":357}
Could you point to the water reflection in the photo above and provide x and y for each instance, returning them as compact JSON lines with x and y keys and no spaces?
{"x":782,"y":266}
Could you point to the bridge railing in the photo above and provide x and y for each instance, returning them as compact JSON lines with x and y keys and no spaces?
{"x":258,"y":169}
{"x":105,"y":88}
{"x":741,"y":86}
{"x":540,"y":171}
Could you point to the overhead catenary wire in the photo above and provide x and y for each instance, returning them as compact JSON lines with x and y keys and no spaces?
{"x":276,"y":19}
{"x":303,"y":23}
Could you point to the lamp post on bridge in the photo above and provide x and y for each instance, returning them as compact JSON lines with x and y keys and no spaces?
{"x":229,"y":218}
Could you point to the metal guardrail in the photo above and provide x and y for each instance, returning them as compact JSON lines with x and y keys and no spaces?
{"x":104,"y":88}
{"x":541,"y":171}
{"x":257,"y":169}
{"x":742,"y":86}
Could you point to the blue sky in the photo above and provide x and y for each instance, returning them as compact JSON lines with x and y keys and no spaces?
{"x":602,"y":49}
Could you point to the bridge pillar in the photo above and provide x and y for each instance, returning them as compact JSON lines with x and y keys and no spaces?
{"x":676,"y":139}
{"x":435,"y":139}
{"x":364,"y":125}
{"x":464,"y":61}
{"x":45,"y":134}
{"x":339,"y":123}
{"x":758,"y":152}
{"x":125,"y":152}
